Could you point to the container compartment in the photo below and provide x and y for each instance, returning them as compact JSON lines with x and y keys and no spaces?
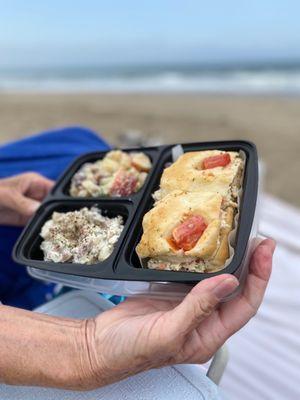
{"x":27,"y":251}
{"x":128,"y":259}
{"x":63,"y":184}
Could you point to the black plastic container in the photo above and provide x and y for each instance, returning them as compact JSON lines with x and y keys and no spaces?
{"x":123,"y":264}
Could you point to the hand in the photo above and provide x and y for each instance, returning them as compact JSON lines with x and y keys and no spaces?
{"x":20,"y":197}
{"x":136,"y":335}
{"x":140,"y":334}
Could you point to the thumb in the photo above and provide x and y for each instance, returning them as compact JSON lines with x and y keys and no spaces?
{"x":200,"y":303}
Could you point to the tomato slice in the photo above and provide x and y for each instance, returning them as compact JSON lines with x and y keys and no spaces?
{"x":221,"y":160}
{"x":124,"y":184}
{"x":187,"y":234}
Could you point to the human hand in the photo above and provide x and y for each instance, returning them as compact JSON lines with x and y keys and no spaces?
{"x":134,"y":336}
{"x":20,"y":197}
{"x":141,"y":333}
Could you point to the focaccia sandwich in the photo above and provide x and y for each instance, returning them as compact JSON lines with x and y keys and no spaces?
{"x":188,"y":228}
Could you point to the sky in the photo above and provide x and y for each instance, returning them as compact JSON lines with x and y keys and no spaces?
{"x":96,"y":32}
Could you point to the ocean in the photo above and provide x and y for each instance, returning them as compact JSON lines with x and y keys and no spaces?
{"x":260,"y":78}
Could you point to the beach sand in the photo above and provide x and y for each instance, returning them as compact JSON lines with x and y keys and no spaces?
{"x":272,"y":123}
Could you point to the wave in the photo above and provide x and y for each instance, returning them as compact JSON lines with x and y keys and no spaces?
{"x":236,"y":81}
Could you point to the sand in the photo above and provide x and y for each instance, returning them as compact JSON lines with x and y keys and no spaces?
{"x":272,"y":123}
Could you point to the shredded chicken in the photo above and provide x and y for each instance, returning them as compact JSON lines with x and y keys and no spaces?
{"x":195,"y":265}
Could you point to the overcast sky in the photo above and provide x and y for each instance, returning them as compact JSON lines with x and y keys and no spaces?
{"x":85,"y":32}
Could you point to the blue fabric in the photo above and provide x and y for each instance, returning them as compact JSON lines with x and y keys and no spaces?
{"x":114,"y":298}
{"x":48,"y":153}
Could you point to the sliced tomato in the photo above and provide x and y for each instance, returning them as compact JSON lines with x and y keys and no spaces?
{"x":221,"y":160}
{"x":187,"y":234}
{"x":124,"y":184}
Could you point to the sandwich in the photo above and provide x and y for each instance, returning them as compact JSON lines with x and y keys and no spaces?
{"x":189,"y":226}
{"x":213,"y":170}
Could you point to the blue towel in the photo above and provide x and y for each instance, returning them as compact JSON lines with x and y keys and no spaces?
{"x":48,"y":153}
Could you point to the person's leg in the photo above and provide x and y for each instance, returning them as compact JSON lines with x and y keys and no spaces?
{"x":49,"y":154}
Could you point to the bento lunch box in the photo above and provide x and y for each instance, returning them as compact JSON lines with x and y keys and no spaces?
{"x":122,"y":268}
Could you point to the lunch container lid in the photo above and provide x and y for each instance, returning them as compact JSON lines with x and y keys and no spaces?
{"x":123,"y":264}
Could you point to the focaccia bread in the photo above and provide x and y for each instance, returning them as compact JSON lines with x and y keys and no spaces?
{"x":189,"y":174}
{"x":188,"y":229}
{"x":162,"y":224}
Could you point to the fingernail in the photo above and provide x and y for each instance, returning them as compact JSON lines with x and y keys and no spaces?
{"x":272,"y":242}
{"x":225,"y":287}
{"x":34,"y":206}
{"x":274,"y":245}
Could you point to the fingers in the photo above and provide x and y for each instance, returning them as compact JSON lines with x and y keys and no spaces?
{"x":260,"y":255}
{"x":259,"y":273}
{"x":21,"y":195}
{"x":200,"y":303}
{"x":236,"y":313}
{"x":35,"y":185}
{"x":16,"y":201}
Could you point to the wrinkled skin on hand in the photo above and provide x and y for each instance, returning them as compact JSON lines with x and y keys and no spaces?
{"x":141,"y":333}
{"x":20,"y":197}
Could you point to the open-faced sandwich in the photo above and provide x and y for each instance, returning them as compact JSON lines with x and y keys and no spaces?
{"x":212,"y":170}
{"x":188,"y":228}
{"x":119,"y":173}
